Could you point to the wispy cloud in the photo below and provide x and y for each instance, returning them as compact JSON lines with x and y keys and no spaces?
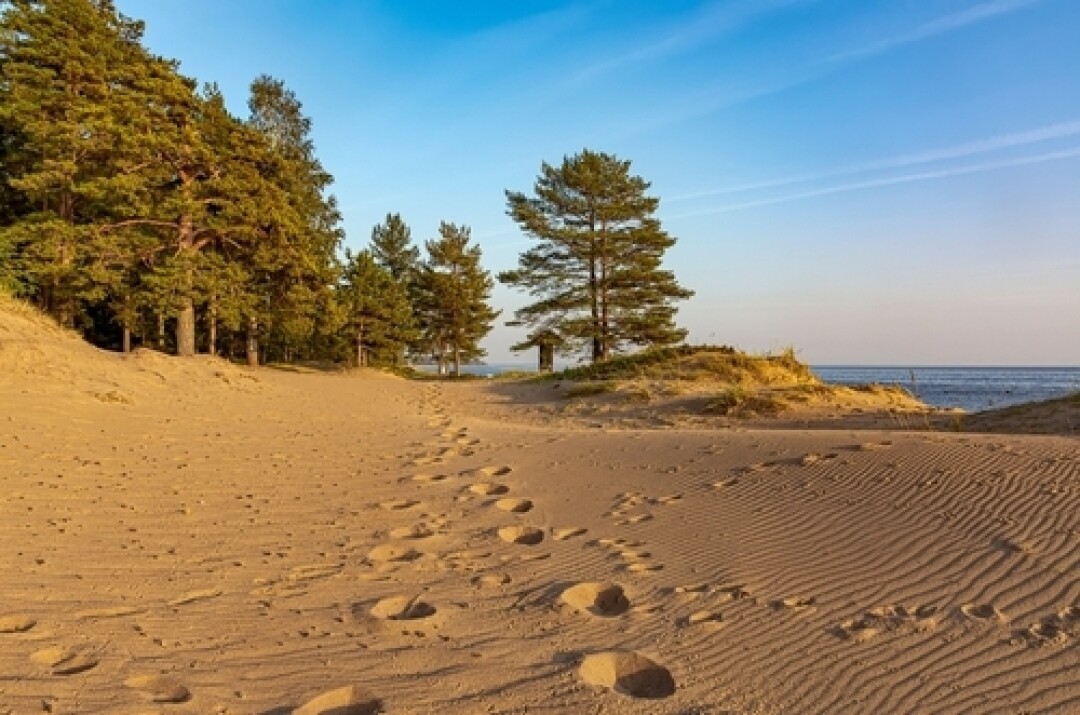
{"x":979,"y":168}
{"x":933,"y":28}
{"x":713,"y":100}
{"x":959,"y":151}
{"x":713,"y":21}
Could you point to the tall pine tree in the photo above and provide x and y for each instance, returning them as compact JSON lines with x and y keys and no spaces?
{"x":596,"y":269}
{"x":295,"y":269}
{"x":455,"y":311}
{"x":65,"y":71}
{"x":377,"y":311}
{"x":393,"y":249}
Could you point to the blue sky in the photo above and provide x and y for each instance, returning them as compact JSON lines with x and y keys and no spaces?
{"x":892,"y":182}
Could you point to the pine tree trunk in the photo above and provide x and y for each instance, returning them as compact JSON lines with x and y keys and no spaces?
{"x":185,"y":322}
{"x":457,"y":361}
{"x":211,"y":343}
{"x":185,"y":329}
{"x":252,"y":343}
{"x":361,"y":357}
{"x":594,"y":299}
{"x":126,"y":332}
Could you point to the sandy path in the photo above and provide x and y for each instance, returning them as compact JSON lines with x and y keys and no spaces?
{"x":249,"y":551}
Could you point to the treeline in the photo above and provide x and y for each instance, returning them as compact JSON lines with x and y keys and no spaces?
{"x":135,"y":208}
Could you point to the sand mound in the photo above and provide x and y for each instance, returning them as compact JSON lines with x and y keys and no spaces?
{"x":402,"y":608}
{"x":393,"y":552}
{"x":1060,"y":416}
{"x":516,"y":506}
{"x":38,"y":356}
{"x":628,"y":673}
{"x":600,"y":599}
{"x":527,"y":535}
{"x":160,"y":688}
{"x":16,"y":623}
{"x":64,"y":660}
{"x":350,"y":700}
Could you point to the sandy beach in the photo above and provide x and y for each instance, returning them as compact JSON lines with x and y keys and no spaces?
{"x":190,"y":537}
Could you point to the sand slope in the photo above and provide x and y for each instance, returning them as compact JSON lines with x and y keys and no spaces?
{"x":336,"y":539}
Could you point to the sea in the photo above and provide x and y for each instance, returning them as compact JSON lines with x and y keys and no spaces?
{"x":972,"y":389}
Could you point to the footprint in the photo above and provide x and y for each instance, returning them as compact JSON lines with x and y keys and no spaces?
{"x":486,"y":489}
{"x":814,"y":458}
{"x":402,"y":608}
{"x":350,"y":700}
{"x":467,"y":555}
{"x":398,"y":504}
{"x":890,"y":618}
{"x":568,"y":533}
{"x":393,"y":552}
{"x":430,"y":478}
{"x":416,"y":531}
{"x":115,"y":612}
{"x":703,"y":617}
{"x":599,"y":599}
{"x":527,"y":535}
{"x":635,"y":519}
{"x":643,"y":567}
{"x":313,"y":572}
{"x":516,"y":506}
{"x":65,"y":661}
{"x":1058,"y":629}
{"x":491,"y":580}
{"x":733,"y":593}
{"x":628,"y":673}
{"x":16,"y":623}
{"x":160,"y":688}
{"x":194,"y":596}
{"x":858,"y":630}
{"x":983,"y":612}
{"x":1046,"y":632}
{"x":793,"y":603}
{"x":487,"y":472}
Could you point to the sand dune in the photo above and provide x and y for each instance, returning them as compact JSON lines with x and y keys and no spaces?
{"x":282,"y":542}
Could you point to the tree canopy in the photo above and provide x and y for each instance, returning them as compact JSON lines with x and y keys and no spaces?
{"x":596,"y":270}
{"x":137,"y":208}
{"x":133,"y":201}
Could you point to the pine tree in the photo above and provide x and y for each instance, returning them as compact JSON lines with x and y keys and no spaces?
{"x":295,"y":269}
{"x":392,"y":248}
{"x":455,"y":311}
{"x":377,"y":311}
{"x":65,"y":68}
{"x":596,"y":269}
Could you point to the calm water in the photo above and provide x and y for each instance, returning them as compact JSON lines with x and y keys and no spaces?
{"x":969,"y":388}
